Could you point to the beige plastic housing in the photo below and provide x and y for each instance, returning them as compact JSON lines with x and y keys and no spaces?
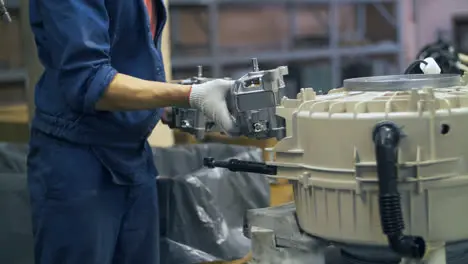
{"x":328,"y":155}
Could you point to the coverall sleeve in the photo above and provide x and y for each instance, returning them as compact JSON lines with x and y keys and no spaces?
{"x":77,"y":37}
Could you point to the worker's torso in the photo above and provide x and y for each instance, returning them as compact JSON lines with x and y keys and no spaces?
{"x":116,"y":139}
{"x":134,"y":51}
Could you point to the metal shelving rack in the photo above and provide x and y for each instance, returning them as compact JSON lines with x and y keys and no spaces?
{"x":12,"y":75}
{"x":216,"y":60}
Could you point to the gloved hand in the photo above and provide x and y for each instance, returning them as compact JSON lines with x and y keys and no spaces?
{"x":210,"y":98}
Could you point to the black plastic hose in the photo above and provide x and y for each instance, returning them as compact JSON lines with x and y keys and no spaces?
{"x":413,"y":68}
{"x":444,"y":54}
{"x":386,"y":138}
{"x":241,"y":165}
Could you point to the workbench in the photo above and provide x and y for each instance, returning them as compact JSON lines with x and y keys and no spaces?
{"x":240,"y":261}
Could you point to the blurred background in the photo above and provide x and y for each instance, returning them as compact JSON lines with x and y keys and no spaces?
{"x":322,"y":41}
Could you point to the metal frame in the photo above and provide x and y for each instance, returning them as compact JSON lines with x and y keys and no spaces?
{"x":12,"y":3}
{"x":217,"y":61}
{"x":274,"y":56}
{"x":15,"y":76}
{"x":30,"y":74}
{"x":334,"y":22}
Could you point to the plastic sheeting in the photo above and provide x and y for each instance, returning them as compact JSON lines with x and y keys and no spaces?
{"x":16,"y":243}
{"x":202,"y":210}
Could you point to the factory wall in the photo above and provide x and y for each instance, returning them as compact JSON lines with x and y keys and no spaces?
{"x":423,"y":20}
{"x":268,"y":25}
{"x":265,"y":26}
{"x":410,"y":48}
{"x":436,"y":15}
{"x":10,"y":45}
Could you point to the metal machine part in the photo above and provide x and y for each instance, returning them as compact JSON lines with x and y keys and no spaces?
{"x":277,"y":238}
{"x":190,"y":120}
{"x":253,"y":101}
{"x":360,"y":181}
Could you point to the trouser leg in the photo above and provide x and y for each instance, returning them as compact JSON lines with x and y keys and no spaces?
{"x":76,"y":208}
{"x":139,"y":234}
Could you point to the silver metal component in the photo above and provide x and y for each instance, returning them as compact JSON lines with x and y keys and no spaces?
{"x":276,"y":237}
{"x":253,"y":101}
{"x":185,"y":124}
{"x":255,"y":67}
{"x":259,"y":127}
{"x":191,"y":120}
{"x":402,"y":82}
{"x":200,"y":71}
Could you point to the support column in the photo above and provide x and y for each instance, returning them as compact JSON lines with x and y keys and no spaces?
{"x":400,"y":17}
{"x":334,"y":31}
{"x":213,"y":33}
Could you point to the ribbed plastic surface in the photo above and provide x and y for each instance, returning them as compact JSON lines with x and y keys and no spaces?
{"x":329,"y":156}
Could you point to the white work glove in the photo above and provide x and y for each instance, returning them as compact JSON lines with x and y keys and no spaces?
{"x":210,"y":98}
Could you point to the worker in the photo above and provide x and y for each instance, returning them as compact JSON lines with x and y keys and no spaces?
{"x":91,"y":175}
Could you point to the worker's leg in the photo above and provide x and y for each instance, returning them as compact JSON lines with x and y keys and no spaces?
{"x":77,"y":210}
{"x":139,"y":236}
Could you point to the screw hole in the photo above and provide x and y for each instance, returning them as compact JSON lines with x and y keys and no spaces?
{"x":444,"y":129}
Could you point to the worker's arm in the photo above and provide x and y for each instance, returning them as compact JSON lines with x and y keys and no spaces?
{"x":77,"y":34}
{"x":129,"y":93}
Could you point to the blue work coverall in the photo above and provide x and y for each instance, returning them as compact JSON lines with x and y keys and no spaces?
{"x":90,"y":173}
